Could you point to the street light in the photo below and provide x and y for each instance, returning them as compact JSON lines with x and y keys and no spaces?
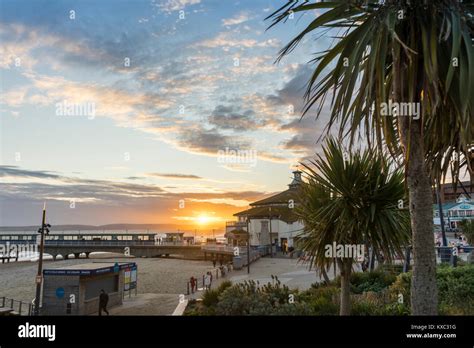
{"x":39,"y":276}
{"x":248,"y":246}
{"x":270,"y":232}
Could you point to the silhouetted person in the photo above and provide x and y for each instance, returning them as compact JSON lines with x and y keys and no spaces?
{"x":193,"y":282}
{"x":214,"y":261}
{"x":103,"y":300}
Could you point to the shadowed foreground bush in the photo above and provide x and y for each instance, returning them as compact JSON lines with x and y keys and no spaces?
{"x":375,"y":293}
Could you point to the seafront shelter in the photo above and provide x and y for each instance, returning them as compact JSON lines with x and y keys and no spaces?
{"x":75,"y":290}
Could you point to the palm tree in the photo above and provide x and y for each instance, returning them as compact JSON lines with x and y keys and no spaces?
{"x":389,"y":53}
{"x":351,"y":202}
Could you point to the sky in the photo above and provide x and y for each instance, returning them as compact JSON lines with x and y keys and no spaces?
{"x":169,"y":111}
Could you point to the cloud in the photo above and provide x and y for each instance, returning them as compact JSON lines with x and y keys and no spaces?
{"x":237,"y":19}
{"x":175,"y":5}
{"x":103,"y":201}
{"x":227,"y":117}
{"x":293,"y":91}
{"x":14,"y":171}
{"x":225,"y":41}
{"x":174,"y":176}
{"x":210,"y":141}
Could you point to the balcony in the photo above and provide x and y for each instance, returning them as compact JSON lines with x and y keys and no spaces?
{"x":236,"y":224}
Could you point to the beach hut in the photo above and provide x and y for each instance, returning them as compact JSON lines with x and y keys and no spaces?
{"x":75,"y":290}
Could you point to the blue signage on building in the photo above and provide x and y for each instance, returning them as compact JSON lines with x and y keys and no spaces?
{"x":60,"y":292}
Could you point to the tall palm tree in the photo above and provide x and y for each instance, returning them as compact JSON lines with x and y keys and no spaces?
{"x":399,"y":51}
{"x":351,"y":202}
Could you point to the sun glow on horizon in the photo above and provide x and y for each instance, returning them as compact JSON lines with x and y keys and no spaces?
{"x":204,"y":219}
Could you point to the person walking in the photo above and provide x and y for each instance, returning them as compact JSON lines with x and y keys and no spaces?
{"x":193,"y":284}
{"x":103,"y":300}
{"x":214,"y":261}
{"x":207,"y":281}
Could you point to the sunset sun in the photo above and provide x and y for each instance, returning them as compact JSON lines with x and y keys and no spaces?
{"x":203,"y":219}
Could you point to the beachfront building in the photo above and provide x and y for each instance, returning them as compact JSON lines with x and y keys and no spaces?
{"x":173,"y":238}
{"x":270,"y":219}
{"x":448,"y":193}
{"x":455,"y":212}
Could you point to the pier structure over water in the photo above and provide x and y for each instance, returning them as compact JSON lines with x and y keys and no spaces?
{"x":138,"y":244}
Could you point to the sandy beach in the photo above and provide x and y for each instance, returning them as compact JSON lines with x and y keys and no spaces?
{"x":155,"y":275}
{"x":160,"y":280}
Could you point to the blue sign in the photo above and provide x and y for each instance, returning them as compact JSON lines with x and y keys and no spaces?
{"x":465,"y":206}
{"x":59,"y":292}
{"x":88,"y":272}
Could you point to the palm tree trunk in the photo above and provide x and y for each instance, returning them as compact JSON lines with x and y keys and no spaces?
{"x":345,"y":267}
{"x":325,"y":276}
{"x":424,"y":292}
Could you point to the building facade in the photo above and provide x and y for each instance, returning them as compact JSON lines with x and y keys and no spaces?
{"x":448,"y":193}
{"x":455,"y":212}
{"x":270,"y":220}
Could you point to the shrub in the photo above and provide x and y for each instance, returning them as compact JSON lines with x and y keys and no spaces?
{"x":390,"y":268}
{"x":371,"y":281}
{"x":455,"y":289}
{"x":210,"y":298}
{"x":364,"y":308}
{"x":322,"y":300}
{"x":249,"y":298}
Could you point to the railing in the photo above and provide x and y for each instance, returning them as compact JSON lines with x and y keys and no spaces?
{"x":461,"y":249}
{"x":223,"y":248}
{"x":235,"y":224}
{"x":456,"y":216}
{"x":15,"y":241}
{"x":96,"y":242}
{"x":17,"y":307}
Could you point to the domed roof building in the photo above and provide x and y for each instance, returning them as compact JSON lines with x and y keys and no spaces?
{"x":270,"y":219}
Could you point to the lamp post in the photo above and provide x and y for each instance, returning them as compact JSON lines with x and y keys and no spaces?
{"x":248,"y":246}
{"x":441,"y":217}
{"x":270,"y":232}
{"x":39,"y":276}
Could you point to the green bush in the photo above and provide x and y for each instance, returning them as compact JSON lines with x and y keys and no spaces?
{"x":455,"y":289}
{"x":371,"y":281}
{"x":374,"y":293}
{"x":210,"y":298}
{"x":390,"y":268}
{"x":249,"y":298}
{"x":322,"y":300}
{"x":364,"y":308}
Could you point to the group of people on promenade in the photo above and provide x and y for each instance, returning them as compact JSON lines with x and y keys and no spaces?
{"x":207,"y":282}
{"x":223,"y":269}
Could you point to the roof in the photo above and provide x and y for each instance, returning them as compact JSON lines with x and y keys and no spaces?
{"x":283,"y":213}
{"x":277,"y":206}
{"x":447,"y":206}
{"x":237,"y":234}
{"x":280,"y":198}
{"x":88,"y":269}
